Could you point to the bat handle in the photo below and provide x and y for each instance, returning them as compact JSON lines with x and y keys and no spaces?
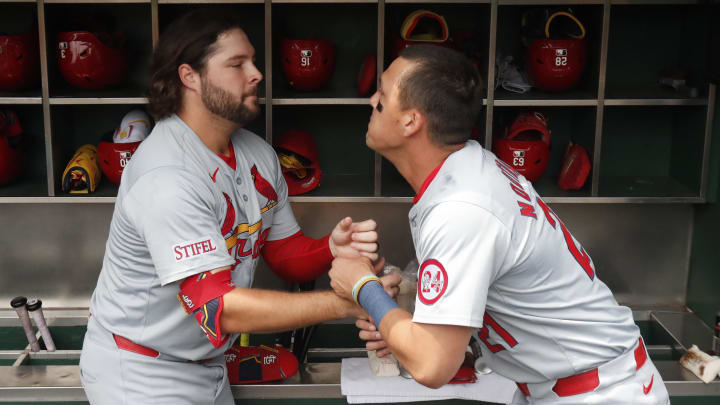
{"x":18,"y":304}
{"x":34,"y":307}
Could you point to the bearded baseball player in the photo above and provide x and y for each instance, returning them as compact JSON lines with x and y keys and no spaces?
{"x":199,"y":203}
{"x":495,"y":261}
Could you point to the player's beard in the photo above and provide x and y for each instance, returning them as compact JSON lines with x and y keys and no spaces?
{"x":225,"y":104}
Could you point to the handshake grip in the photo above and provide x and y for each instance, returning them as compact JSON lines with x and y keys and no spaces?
{"x":388,"y":366}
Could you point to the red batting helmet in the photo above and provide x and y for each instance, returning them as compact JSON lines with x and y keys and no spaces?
{"x":422,"y":27}
{"x":254,"y":364}
{"x":92,"y":62}
{"x":556,"y":65}
{"x":366,"y":77}
{"x":308,"y":63}
{"x":12,"y":155}
{"x":298,"y":155}
{"x":114,"y":156}
{"x":575,"y":169}
{"x":526,"y":145}
{"x":19,"y":61}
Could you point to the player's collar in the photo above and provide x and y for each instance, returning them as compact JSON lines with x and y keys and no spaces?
{"x":427,"y":182}
{"x":230,"y":160}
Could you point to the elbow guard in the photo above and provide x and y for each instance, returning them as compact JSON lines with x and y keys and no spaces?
{"x":202,"y":296}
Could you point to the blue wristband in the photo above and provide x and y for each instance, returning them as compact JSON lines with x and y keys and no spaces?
{"x":376,"y":301}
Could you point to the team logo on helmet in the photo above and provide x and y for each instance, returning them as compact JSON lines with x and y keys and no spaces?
{"x":525,"y":146}
{"x":432,"y":282}
{"x":308,"y":63}
{"x":554,"y":62}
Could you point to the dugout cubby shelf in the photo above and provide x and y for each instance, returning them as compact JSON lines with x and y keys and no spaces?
{"x":352,"y":29}
{"x":645,"y":40}
{"x":33,"y":180}
{"x":617,"y":102}
{"x":77,"y":125}
{"x":133,"y":20}
{"x":339,"y":131}
{"x":566,"y":124}
{"x":20,"y":98}
{"x":511,"y":43}
{"x":17,"y":19}
{"x":652,"y":152}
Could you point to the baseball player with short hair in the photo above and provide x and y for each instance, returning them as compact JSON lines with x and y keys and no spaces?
{"x":200,"y":201}
{"x":495,"y":261}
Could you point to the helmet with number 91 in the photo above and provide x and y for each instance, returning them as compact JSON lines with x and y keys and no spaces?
{"x":308,"y":64}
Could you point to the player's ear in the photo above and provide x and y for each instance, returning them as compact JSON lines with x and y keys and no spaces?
{"x":412,"y":121}
{"x":189,"y":77}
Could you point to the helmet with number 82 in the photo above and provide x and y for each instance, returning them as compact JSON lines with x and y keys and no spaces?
{"x":556,"y":65}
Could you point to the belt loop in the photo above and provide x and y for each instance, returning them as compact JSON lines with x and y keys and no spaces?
{"x":523,"y":388}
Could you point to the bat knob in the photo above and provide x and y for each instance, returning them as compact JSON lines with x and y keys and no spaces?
{"x":18,"y":302}
{"x":34,"y":304}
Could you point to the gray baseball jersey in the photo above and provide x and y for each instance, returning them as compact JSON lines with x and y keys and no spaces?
{"x":182,"y":210}
{"x":493,"y":256}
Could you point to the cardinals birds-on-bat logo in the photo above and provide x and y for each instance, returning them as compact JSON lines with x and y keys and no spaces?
{"x":265,"y":189}
{"x":229,"y":230}
{"x":229,"y":221}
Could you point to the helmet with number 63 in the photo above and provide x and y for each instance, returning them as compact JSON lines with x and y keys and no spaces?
{"x":525,"y":145}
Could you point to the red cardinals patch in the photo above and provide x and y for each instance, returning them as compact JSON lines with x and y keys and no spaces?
{"x":229,"y":221}
{"x":432,"y":281}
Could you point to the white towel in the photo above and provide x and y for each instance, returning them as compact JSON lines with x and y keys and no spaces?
{"x":509,"y":76}
{"x":359,"y":385}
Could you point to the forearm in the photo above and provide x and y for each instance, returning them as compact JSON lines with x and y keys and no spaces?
{"x":298,"y":258}
{"x":265,"y":311}
{"x":421,"y":348}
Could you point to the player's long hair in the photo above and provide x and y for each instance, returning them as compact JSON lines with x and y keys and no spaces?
{"x":189,"y":39}
{"x":446,"y":87}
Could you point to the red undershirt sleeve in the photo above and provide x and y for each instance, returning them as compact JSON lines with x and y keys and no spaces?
{"x":298,"y":258}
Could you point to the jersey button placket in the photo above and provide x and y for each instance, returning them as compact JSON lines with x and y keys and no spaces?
{"x":239,"y":182}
